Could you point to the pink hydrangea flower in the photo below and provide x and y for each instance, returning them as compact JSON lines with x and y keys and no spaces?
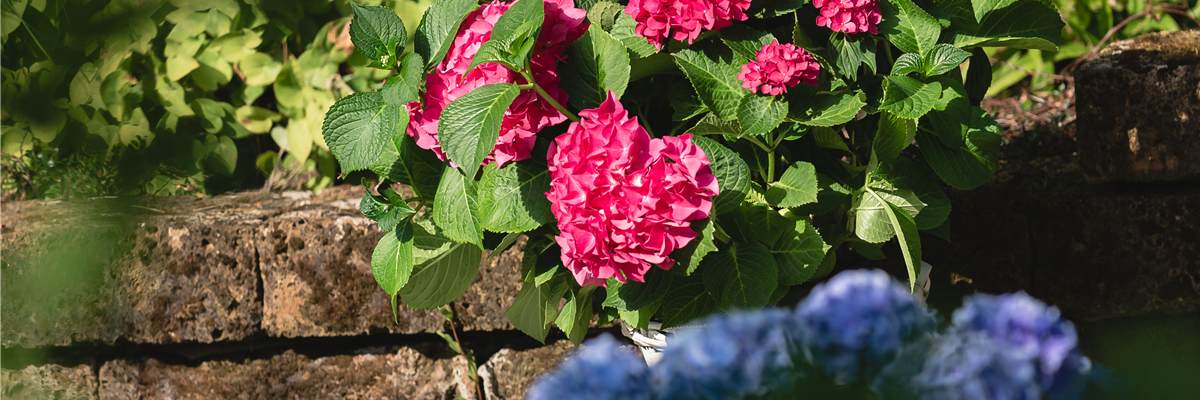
{"x":778,"y":67}
{"x":528,"y":114}
{"x":622,"y":199}
{"x":658,"y":20}
{"x":850,"y":16}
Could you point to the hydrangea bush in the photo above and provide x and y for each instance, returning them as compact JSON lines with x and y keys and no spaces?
{"x":670,"y":158}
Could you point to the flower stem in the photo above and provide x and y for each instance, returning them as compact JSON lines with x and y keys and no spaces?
{"x":770,"y":166}
{"x":546,"y":96}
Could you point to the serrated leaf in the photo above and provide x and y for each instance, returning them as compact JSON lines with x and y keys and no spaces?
{"x":908,"y":26}
{"x":951,"y":113}
{"x":849,"y":54}
{"x":576,"y":314}
{"x":906,"y":64}
{"x":536,"y":307}
{"x":436,"y":31}
{"x":442,"y":271}
{"x":405,"y":87}
{"x":599,"y":64}
{"x":470,"y":124}
{"x":742,"y":276}
{"x":744,"y":40}
{"x":970,"y":165}
{"x":687,"y":300}
{"x":942,"y":59}
{"x":830,"y":194}
{"x":635,"y":295}
{"x":798,"y":253}
{"x":797,"y":186}
{"x":689,"y":256}
{"x":961,"y":14}
{"x":411,"y":165}
{"x":871,"y":222}
{"x":456,"y":208}
{"x":825,"y":109}
{"x":512,"y":199}
{"x":392,"y":260}
{"x":513,"y":35}
{"x":759,"y":115}
{"x":909,"y":98}
{"x":713,"y":73}
{"x":378,"y":33}
{"x":1020,"y":24}
{"x":685,"y":103}
{"x":907,"y":174}
{"x":603,"y":14}
{"x":357,"y":129}
{"x":639,"y":318}
{"x":733,"y":176}
{"x":712,"y":125}
{"x":749,"y":223}
{"x":894,"y":134}
{"x":624,"y":29}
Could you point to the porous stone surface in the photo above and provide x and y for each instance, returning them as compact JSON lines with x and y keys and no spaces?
{"x":1138,"y":109}
{"x":48,"y":382}
{"x":509,"y":373}
{"x":404,"y":374}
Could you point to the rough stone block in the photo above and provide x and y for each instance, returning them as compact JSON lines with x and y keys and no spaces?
{"x":1138,"y":109}
{"x":509,"y":373}
{"x":48,"y":382}
{"x":405,"y":374}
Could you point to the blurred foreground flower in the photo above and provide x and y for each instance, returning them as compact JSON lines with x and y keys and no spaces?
{"x":599,"y":370}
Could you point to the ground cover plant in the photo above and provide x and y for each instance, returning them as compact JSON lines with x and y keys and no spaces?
{"x":667,"y":163}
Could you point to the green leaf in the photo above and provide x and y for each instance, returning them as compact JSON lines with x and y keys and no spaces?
{"x":825,"y":109}
{"x":893,"y":136}
{"x":797,"y":186}
{"x":830,"y":194}
{"x":687,"y":300}
{"x":906,"y":64}
{"x":713,"y":72}
{"x":848,"y":54}
{"x":685,"y":103}
{"x":536,"y":307}
{"x":456,"y":208}
{"x":222,"y":154}
{"x":639,"y":318}
{"x":603,"y":14}
{"x":749,"y":223}
{"x":358,"y":127}
{"x":979,"y":76}
{"x":759,"y":115}
{"x":909,"y":98}
{"x":910,"y":240}
{"x":908,"y":27}
{"x":961,"y":14}
{"x":733,"y":176}
{"x":442,"y":271}
{"x":512,"y":199}
{"x":392,"y":260}
{"x":260,"y":69}
{"x":635,"y":295}
{"x":971,"y":164}
{"x":712,"y":125}
{"x":599,"y":64}
{"x":405,"y":87}
{"x":411,"y":165}
{"x":870,"y":251}
{"x":951,"y":114}
{"x":470,"y":125}
{"x":378,"y":33}
{"x":383,"y":211}
{"x":624,"y":30}
{"x":744,"y":40}
{"x":798,"y":253}
{"x":689,"y":256}
{"x":773,"y":8}
{"x":871,"y":222}
{"x":907,"y":174}
{"x":742,"y":276}
{"x":942,"y":59}
{"x":513,"y":35}
{"x":1019,"y":24}
{"x":436,"y":31}
{"x":576,"y":315}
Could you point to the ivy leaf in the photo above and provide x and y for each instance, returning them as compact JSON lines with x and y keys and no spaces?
{"x":908,"y":27}
{"x":392,"y":261}
{"x":687,"y":300}
{"x":689,"y":256}
{"x":470,"y":124}
{"x":635,"y":295}
{"x":599,"y":64}
{"x":744,"y":40}
{"x":742,"y":276}
{"x":411,"y":165}
{"x":436,"y":31}
{"x":909,"y":98}
{"x":576,"y":314}
{"x":713,"y":72}
{"x":624,"y":30}
{"x":685,"y":103}
{"x":893,"y":136}
{"x":378,"y":33}
{"x":733,"y":176}
{"x":357,"y":128}
{"x":905,"y":173}
{"x":798,"y":253}
{"x":871,"y":222}
{"x":943,"y":58}
{"x":512,"y":199}
{"x":797,"y":186}
{"x":906,"y":64}
{"x":848,"y":54}
{"x":442,"y":272}
{"x":825,"y":109}
{"x":759,"y":115}
{"x":456,"y":208}
{"x":971,"y":164}
{"x":1019,"y":24}
{"x":513,"y":36}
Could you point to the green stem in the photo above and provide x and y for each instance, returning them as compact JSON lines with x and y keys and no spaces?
{"x":759,"y":143}
{"x":770,"y":166}
{"x":546,"y":96}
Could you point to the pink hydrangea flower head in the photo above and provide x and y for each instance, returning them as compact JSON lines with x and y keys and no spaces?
{"x":659,"y":20}
{"x":850,"y":16}
{"x":528,"y":114}
{"x":778,"y":67}
{"x":622,"y":199}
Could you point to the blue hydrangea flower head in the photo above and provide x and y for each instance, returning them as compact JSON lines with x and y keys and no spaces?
{"x":1027,"y":323}
{"x":599,"y":370}
{"x":855,"y":323}
{"x":733,"y":356}
{"x":970,"y":365}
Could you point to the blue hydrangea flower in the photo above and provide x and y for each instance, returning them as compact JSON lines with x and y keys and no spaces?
{"x":1026,"y":323}
{"x":734,"y":356}
{"x":599,"y":370}
{"x":857,"y":322}
{"x":970,"y":365}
